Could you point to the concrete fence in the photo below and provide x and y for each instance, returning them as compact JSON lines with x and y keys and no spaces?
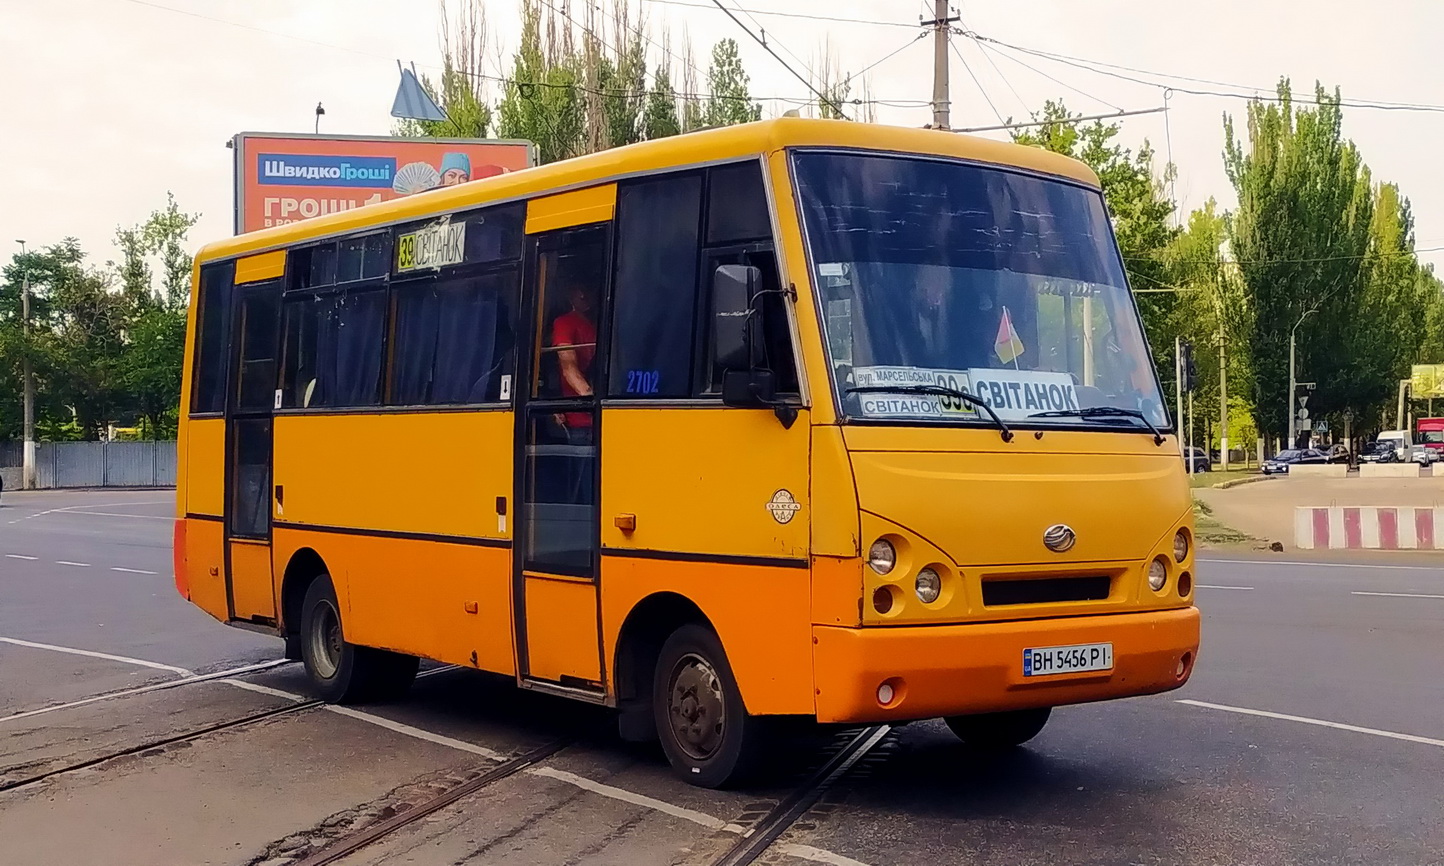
{"x":1389,"y":470}
{"x":1319,"y":470}
{"x":92,"y":464}
{"x":1368,"y":527}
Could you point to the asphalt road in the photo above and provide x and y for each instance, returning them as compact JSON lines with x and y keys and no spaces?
{"x":1312,"y":732}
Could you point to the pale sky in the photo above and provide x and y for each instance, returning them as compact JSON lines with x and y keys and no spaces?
{"x":111,"y":103}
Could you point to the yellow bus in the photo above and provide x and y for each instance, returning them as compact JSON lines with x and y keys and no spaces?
{"x":791,"y":419}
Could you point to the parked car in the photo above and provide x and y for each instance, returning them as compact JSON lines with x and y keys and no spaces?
{"x":1279,"y":463}
{"x":1380,"y":451}
{"x":1339,"y":453}
{"x":1198,"y":461}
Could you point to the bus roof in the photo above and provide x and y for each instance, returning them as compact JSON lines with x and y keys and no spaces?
{"x":677,"y":151}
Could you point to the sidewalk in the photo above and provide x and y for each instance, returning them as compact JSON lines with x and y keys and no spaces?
{"x":1266,"y":509}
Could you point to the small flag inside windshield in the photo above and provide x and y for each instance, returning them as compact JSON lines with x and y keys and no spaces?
{"x":1007,"y":344}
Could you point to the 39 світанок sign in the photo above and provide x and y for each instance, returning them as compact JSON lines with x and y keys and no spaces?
{"x":281,"y":178}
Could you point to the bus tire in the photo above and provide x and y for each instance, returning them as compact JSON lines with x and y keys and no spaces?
{"x":708,"y":736}
{"x":341,"y":672}
{"x":999,"y":730}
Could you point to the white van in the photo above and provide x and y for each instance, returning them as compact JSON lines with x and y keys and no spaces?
{"x":1408,"y":451}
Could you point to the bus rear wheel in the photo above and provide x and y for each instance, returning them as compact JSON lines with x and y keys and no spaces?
{"x":342,"y":672}
{"x":999,"y":730}
{"x":706,"y":732}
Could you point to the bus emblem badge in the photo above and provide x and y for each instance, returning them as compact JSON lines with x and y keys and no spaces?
{"x":783,"y":506}
{"x":1059,"y":538}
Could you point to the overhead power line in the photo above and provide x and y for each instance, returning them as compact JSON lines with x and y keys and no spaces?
{"x":800,"y":15}
{"x":1106,"y":69}
{"x":760,"y":41}
{"x":981,"y":90}
{"x":984,"y":43}
{"x":1077,"y":119}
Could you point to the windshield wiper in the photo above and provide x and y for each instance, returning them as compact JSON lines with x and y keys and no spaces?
{"x":937,"y":391}
{"x":1093,"y":412}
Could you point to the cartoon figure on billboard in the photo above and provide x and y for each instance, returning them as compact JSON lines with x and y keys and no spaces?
{"x":455,"y":169}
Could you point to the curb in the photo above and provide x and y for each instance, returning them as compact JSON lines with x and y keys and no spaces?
{"x":1253,"y":479}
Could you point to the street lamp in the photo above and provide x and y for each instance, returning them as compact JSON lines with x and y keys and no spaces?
{"x":27,"y":375}
{"x":1293,"y":383}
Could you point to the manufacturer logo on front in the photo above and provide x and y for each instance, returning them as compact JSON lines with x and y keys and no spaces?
{"x":1059,"y":538}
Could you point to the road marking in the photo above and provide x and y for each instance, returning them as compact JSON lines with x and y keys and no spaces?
{"x":97,"y":655}
{"x":1220,"y":586}
{"x":418,"y":733}
{"x":1323,"y":564}
{"x":76,"y":564}
{"x":18,"y":556}
{"x":818,"y":855}
{"x":1398,"y":594}
{"x":804,"y":852}
{"x":635,"y":799}
{"x":131,"y":570}
{"x":111,"y":514}
{"x":1428,"y":741}
{"x":145,"y":689}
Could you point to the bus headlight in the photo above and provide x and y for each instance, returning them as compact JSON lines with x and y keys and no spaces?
{"x":928,"y":586}
{"x":881,"y":557}
{"x":1180,"y":545}
{"x":1157,"y":574}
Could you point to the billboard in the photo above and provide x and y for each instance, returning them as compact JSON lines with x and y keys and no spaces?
{"x":282,"y":178}
{"x":1427,"y":381}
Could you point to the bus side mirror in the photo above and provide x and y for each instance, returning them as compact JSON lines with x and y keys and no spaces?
{"x":733,"y":287}
{"x":749,"y":388}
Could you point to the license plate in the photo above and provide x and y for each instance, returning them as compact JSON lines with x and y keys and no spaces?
{"x":1043,"y":661}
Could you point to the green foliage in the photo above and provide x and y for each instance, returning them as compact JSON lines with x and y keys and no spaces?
{"x":659,"y":118}
{"x":106,"y":343}
{"x":729,"y":100}
{"x":1307,"y":248}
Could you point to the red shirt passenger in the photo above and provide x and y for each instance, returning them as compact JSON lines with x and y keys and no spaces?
{"x":574,"y":335}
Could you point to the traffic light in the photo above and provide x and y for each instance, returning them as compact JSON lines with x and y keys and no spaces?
{"x":1190,"y":370}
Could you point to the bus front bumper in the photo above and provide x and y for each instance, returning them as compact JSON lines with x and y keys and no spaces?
{"x":946,"y":670}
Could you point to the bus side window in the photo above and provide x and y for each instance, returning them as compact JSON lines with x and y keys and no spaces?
{"x":655,"y":290}
{"x":208,"y":388}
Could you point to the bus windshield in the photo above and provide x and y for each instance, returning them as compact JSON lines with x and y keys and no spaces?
{"x":938,"y":275}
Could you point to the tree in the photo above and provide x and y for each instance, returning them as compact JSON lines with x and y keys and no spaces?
{"x":150,"y":369}
{"x":544,"y":102}
{"x":461,"y":91}
{"x":729,"y":100}
{"x":1301,"y":238}
{"x":659,"y":117}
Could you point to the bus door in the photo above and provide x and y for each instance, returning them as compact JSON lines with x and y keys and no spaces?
{"x":555,"y":591}
{"x":249,"y":584}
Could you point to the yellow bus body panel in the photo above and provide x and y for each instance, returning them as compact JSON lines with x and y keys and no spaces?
{"x":266,"y":266}
{"x":204,"y":457}
{"x":438,"y":473}
{"x":582,"y":207}
{"x":561,"y":629}
{"x":704,"y":481}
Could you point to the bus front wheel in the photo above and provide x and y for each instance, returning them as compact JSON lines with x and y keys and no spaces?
{"x":342,"y":672}
{"x":999,"y":730}
{"x":705,"y":730}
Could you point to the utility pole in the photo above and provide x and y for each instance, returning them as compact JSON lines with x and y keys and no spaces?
{"x":942,"y":30}
{"x":1222,"y":402}
{"x":27,"y":373}
{"x":1293,"y":381}
{"x":1178,"y":391}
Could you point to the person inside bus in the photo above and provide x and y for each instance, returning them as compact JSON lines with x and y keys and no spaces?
{"x":574,"y":336}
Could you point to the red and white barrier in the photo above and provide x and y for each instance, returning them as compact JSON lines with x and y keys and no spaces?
{"x":1370,"y":527}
